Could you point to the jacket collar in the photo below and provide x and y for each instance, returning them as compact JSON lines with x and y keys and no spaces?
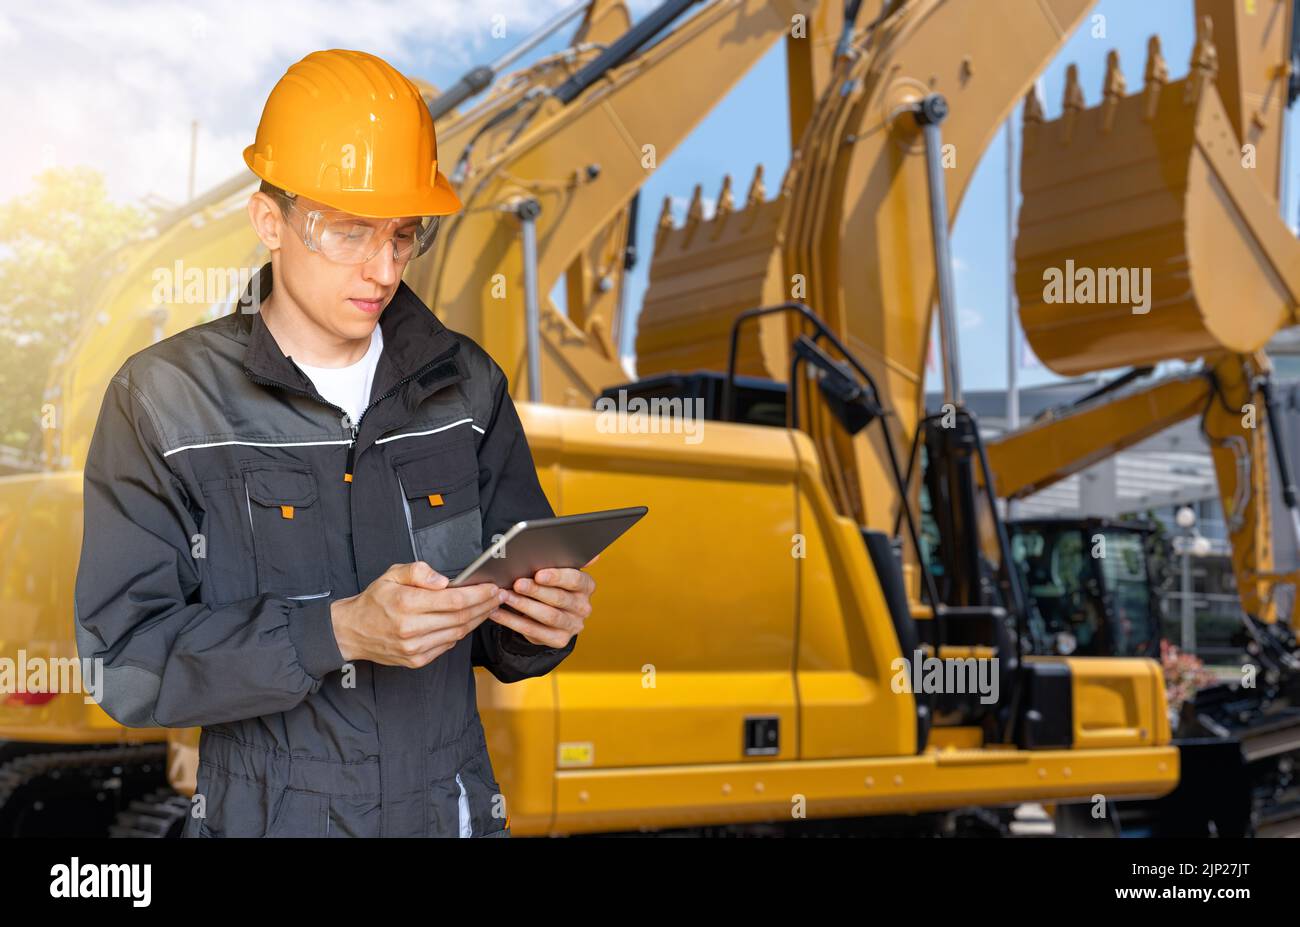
{"x":413,"y":338}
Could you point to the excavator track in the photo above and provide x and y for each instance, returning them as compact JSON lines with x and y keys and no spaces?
{"x":77,"y":792}
{"x":160,"y":814}
{"x":1272,"y":754}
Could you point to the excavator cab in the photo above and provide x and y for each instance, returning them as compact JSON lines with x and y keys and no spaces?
{"x":1091,"y":583}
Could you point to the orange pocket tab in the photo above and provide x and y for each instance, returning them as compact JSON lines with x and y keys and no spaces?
{"x":286,"y":511}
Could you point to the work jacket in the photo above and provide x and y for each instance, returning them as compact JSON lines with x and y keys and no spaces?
{"x":227,"y":504}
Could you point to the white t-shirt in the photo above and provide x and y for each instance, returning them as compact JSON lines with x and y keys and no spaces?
{"x":349,"y":387}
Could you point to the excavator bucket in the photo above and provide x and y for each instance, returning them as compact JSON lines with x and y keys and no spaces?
{"x":1143,"y":234}
{"x":704,"y":274}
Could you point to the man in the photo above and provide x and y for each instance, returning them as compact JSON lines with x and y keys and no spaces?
{"x":274,"y":502}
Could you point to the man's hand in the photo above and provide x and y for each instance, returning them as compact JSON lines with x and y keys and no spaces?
{"x":550,"y":608}
{"x":408,"y":616}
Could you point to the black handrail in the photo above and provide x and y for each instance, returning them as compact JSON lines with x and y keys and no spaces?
{"x":931,"y":589}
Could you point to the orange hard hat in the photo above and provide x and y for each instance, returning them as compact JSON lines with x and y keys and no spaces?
{"x":349,"y":130}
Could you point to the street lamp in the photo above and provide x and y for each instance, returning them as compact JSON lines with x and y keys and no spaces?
{"x":1191,"y":543}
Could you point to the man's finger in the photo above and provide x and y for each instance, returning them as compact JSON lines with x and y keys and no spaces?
{"x":526,"y":626}
{"x":419,"y":573}
{"x":564,"y":578}
{"x":559,"y":597}
{"x":472,"y":612}
{"x":540,"y":611}
{"x":442,"y":636}
{"x":423,"y":623}
{"x":453,"y":599}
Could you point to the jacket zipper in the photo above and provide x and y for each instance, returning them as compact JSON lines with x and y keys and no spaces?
{"x":354,"y":426}
{"x":302,"y":392}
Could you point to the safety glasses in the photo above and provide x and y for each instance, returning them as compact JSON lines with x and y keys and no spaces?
{"x":348,"y":239}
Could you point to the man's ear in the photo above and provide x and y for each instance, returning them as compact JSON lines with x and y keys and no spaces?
{"x":268,"y":221}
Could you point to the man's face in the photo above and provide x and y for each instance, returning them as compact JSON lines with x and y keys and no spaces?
{"x":342,"y":298}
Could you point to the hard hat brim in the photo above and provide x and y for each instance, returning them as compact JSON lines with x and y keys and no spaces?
{"x":439,"y":199}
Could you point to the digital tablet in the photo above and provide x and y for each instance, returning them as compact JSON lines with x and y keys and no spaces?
{"x":529,"y":546}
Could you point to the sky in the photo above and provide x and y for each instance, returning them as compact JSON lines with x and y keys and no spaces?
{"x":145,"y":69}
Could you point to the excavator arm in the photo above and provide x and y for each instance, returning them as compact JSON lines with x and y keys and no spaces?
{"x":1227,"y":397}
{"x":1173,"y":190}
{"x":1063,"y":442}
{"x":562,"y":167}
{"x":857,"y":228}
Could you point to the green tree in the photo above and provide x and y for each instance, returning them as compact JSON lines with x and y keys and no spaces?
{"x":54,"y":247}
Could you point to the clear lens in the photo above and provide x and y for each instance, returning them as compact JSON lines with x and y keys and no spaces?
{"x":354,"y":240}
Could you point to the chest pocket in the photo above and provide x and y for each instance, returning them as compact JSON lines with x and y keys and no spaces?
{"x":439,"y":496}
{"x":284,"y":510}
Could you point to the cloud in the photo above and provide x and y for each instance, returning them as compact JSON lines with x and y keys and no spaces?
{"x":144,"y":69}
{"x":969,"y":319}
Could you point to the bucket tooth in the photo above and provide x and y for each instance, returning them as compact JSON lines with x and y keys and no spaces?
{"x":1112,"y":91}
{"x":1033,"y":114}
{"x":726,"y":203}
{"x":694,"y":215}
{"x":757,"y":193}
{"x":1032,"y":117}
{"x":695,"y":212}
{"x":665,"y":220}
{"x":1154,"y":78}
{"x":1074,"y":102}
{"x":726,"y":206}
{"x":1205,"y":61}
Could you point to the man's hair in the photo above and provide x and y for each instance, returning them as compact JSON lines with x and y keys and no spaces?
{"x":275,"y":193}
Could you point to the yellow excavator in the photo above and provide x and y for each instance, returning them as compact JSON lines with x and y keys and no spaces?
{"x":1157,"y":214}
{"x":776,"y":647}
